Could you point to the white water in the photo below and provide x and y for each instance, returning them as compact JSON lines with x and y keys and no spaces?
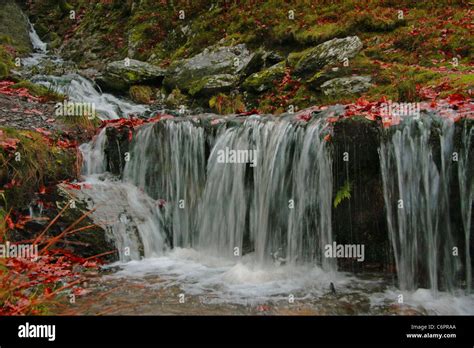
{"x":417,"y":199}
{"x":220,"y":280}
{"x":76,"y":87}
{"x":81,"y":90}
{"x":222,"y":204}
{"x":231,"y":209}
{"x":168,"y":159}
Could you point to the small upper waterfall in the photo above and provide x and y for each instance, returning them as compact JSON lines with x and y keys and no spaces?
{"x":76,"y":87}
{"x":417,"y":163}
{"x":81,"y":90}
{"x":37,"y":43}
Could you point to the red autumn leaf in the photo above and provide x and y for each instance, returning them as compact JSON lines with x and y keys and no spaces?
{"x":9,"y":144}
{"x":43,"y":131}
{"x":455,"y":99}
{"x":9,"y":223}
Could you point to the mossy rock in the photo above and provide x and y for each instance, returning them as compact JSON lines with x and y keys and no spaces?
{"x":327,"y":53}
{"x":141,"y":94}
{"x":121,"y":75}
{"x":216,"y":60}
{"x":210,"y":85}
{"x":346,"y":85}
{"x":265,"y":79}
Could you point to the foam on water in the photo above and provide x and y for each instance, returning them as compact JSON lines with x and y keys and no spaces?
{"x":244,"y":281}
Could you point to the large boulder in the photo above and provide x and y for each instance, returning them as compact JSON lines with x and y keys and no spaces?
{"x":328,"y":53}
{"x":121,"y":75}
{"x":223,"y":61}
{"x":346,"y":85}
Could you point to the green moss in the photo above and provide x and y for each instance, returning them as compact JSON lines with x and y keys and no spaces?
{"x":4,"y":70}
{"x":176,"y":98}
{"x":40,"y":91}
{"x":39,"y":164}
{"x":294,"y":57}
{"x":264,"y":80}
{"x":6,"y":63}
{"x":319,"y":33}
{"x":141,"y":94}
{"x":227,"y":104}
{"x":371,"y":23}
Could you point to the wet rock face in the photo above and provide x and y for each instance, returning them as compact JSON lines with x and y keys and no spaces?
{"x":14,"y":25}
{"x":187,"y":73}
{"x":328,"y":53}
{"x":122,"y":74}
{"x":346,"y":85}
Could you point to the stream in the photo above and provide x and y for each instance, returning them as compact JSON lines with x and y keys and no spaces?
{"x":196,"y":236}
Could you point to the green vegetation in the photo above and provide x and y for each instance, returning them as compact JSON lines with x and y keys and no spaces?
{"x":48,"y":94}
{"x":343,"y":193}
{"x":29,"y":161}
{"x":406,"y":44}
{"x":141,"y":94}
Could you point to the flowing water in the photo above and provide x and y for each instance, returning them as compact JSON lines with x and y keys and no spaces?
{"x":200,"y":235}
{"x":76,"y":87}
{"x":417,"y":190}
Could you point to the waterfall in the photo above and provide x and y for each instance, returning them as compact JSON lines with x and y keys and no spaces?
{"x":167,"y":161}
{"x":278,"y":207}
{"x":466,"y":190}
{"x":93,"y":153}
{"x":134,"y":219}
{"x":81,"y":90}
{"x":416,"y":167}
{"x":38,"y":45}
{"x":282,"y":206}
{"x":76,"y":87}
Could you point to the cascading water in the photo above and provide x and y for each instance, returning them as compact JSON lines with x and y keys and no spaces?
{"x":167,"y":161}
{"x":279,"y":205}
{"x":466,"y":190}
{"x":282,"y":205}
{"x":215,"y":227}
{"x":134,"y":219}
{"x":417,"y":183}
{"x":76,"y":87}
